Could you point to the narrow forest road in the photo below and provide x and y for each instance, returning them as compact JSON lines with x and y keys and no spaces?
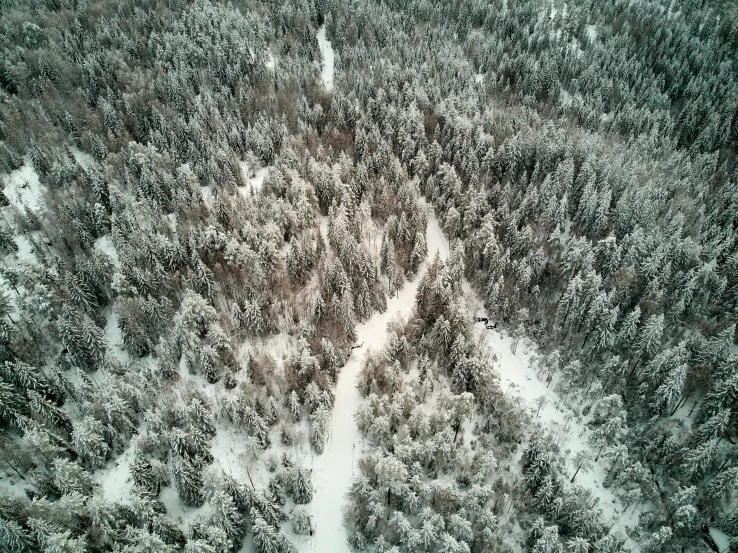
{"x":334,"y":470}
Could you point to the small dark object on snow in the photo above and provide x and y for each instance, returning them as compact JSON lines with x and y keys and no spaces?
{"x":491,"y":327}
{"x":357,"y":347}
{"x":484,"y":320}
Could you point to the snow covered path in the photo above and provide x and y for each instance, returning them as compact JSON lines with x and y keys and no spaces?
{"x":326,"y":51}
{"x":518,"y":376}
{"x":337,"y":466}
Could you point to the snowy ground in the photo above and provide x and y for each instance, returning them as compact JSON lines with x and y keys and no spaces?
{"x":591,"y":31}
{"x":23,"y":189}
{"x":271,"y":62}
{"x":518,"y":376}
{"x":326,"y":68}
{"x":115,"y":478}
{"x":256,"y":182}
{"x":721,"y":540}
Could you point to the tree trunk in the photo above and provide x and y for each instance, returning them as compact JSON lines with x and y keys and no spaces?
{"x":607,"y":476}
{"x":679,"y":405}
{"x":638,"y":360}
{"x":15,"y":470}
{"x":575,"y":473}
{"x":589,"y":387}
{"x":599,"y":452}
{"x":692,"y":409}
{"x":586,"y":337}
{"x":721,"y":467}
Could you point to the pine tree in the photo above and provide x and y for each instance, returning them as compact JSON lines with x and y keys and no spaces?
{"x":226,"y":516}
{"x":84,"y":341}
{"x":89,"y":443}
{"x":187,"y":478}
{"x":301,"y":522}
{"x":582,"y":461}
{"x":319,"y":421}
{"x":302,"y":487}
{"x":649,"y":338}
{"x":13,"y":538}
{"x":265,"y":538}
{"x":391,"y":476}
{"x":578,"y":545}
{"x":548,"y":542}
{"x":70,"y":477}
{"x":698,"y":459}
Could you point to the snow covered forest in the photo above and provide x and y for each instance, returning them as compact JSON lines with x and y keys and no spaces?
{"x":395,"y":276}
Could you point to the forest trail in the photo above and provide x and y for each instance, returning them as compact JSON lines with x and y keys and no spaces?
{"x":334,"y":470}
{"x":326,"y":51}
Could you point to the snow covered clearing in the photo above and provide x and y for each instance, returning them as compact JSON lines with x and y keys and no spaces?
{"x":326,"y":50}
{"x":115,"y":478}
{"x":84,"y":159}
{"x":255,"y":178}
{"x":518,"y":376}
{"x":721,"y":540}
{"x":105,"y":245}
{"x":25,"y":248}
{"x":271,"y":61}
{"x":207,"y":196}
{"x":24,"y":190}
{"x":591,"y":31}
{"x":180,"y":513}
{"x":479,"y":78}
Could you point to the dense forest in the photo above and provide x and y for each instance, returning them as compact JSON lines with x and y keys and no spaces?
{"x":397,"y":276}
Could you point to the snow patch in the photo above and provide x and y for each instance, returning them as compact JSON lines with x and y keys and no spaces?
{"x":26,"y":250}
{"x":207,"y":196}
{"x":479,"y":78}
{"x":591,"y":31}
{"x":83,"y":159}
{"x":323,"y":225}
{"x":105,"y":245}
{"x":721,"y":539}
{"x":115,"y":478}
{"x":326,"y":50}
{"x":180,"y":513}
{"x":255,"y":182}
{"x":515,"y":360}
{"x":12,"y":485}
{"x":271,"y":61}
{"x":24,"y":190}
